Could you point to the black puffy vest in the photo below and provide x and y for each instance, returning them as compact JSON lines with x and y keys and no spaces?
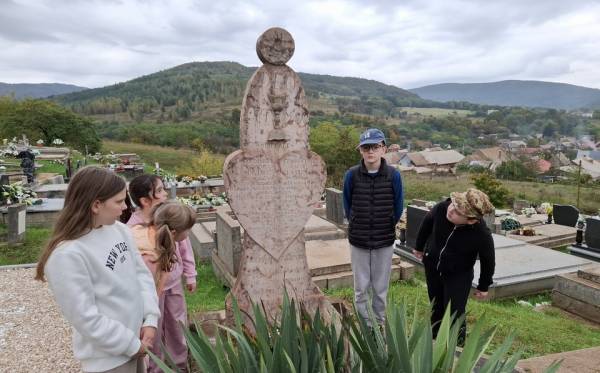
{"x":371,"y":224}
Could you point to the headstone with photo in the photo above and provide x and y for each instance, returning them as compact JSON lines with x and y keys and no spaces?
{"x":272,"y":183}
{"x":565,"y":215}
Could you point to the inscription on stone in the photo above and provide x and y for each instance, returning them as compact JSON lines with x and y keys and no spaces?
{"x":272,"y":183}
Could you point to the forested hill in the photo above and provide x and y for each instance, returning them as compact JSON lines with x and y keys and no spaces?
{"x":38,"y":90}
{"x":515,"y":93}
{"x":194,"y":86}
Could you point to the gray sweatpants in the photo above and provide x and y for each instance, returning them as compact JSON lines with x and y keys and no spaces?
{"x":371,"y":270}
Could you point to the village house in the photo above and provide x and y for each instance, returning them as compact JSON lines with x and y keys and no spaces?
{"x":431,"y":161}
{"x":489,"y":158}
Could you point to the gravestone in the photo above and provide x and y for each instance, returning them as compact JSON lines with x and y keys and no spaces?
{"x":16,"y":223}
{"x":334,"y":205}
{"x":273,"y":182}
{"x":414,"y":218}
{"x":565,"y":215}
{"x":519,"y":205}
{"x":592,"y":234}
{"x":229,"y":241}
{"x":490,"y":220}
{"x":173,"y":190}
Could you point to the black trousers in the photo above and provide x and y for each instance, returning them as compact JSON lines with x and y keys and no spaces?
{"x":443,"y":290}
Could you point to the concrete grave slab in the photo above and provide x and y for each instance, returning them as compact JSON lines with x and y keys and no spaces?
{"x":521,"y":268}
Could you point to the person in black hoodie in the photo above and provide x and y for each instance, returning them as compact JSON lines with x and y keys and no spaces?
{"x":451,"y":238}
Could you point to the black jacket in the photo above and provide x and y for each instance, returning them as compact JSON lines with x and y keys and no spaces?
{"x":372,"y":223}
{"x":454,"y":249}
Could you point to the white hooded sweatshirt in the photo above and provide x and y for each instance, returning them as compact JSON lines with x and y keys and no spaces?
{"x":106,"y":293}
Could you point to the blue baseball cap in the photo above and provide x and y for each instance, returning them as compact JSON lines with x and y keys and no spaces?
{"x":371,"y":136}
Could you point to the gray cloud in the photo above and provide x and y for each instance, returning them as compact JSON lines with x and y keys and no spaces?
{"x":407,"y":44}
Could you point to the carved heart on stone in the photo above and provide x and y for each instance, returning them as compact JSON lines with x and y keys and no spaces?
{"x":273,"y":194}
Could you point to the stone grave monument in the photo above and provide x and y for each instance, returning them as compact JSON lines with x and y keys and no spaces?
{"x":414,"y":218}
{"x":579,"y":293}
{"x":565,"y":215}
{"x":272,"y":183}
{"x":519,"y":205}
{"x":591,"y":248}
{"x":334,"y":205}
{"x":16,"y":223}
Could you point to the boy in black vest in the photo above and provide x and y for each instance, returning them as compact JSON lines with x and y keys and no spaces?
{"x":373,"y":205}
{"x":451,"y":238}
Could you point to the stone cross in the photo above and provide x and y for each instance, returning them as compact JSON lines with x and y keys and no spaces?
{"x":272,"y":183}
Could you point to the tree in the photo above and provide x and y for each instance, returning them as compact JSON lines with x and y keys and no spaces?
{"x":337,"y":147}
{"x":41,"y":119}
{"x":515,"y":170}
{"x":491,"y":186}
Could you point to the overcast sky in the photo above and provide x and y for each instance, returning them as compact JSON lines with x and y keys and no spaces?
{"x":404,"y":43}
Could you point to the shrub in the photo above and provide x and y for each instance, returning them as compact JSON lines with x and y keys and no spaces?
{"x":301,"y":343}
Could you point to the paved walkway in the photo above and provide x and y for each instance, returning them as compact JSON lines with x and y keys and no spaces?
{"x":579,"y":361}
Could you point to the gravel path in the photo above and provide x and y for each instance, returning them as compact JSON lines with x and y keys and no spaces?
{"x":33,"y":335}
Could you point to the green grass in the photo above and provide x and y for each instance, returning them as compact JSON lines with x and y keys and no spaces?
{"x":210,"y":293}
{"x":174,"y":160}
{"x":427,"y":188}
{"x":29,"y":251}
{"x":168,"y":158}
{"x":537,"y":333}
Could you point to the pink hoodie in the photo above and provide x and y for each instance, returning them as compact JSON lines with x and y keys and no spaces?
{"x":186,"y":265}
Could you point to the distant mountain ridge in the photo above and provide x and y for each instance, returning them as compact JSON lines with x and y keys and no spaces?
{"x":37,"y":90}
{"x":528,"y":93}
{"x":224,"y":80}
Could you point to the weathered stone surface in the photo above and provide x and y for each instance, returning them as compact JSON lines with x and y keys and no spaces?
{"x":229,"y":246}
{"x":580,"y":361}
{"x":272,"y":184}
{"x":576,"y":306}
{"x":334,"y":204}
{"x":16,"y":223}
{"x":578,"y":288}
{"x":590,"y":274}
{"x":202,"y":242}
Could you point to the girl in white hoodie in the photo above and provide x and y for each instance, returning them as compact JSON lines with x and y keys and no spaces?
{"x":98,"y":277}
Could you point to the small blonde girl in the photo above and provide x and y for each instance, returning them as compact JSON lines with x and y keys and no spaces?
{"x":169,"y":223}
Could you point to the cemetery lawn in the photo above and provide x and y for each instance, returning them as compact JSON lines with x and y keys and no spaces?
{"x":168,"y":158}
{"x":537,"y":332}
{"x":423,"y":187}
{"x":210,"y":293}
{"x":35,"y":239}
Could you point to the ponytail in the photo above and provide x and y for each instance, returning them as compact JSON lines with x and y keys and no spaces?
{"x":165,"y":247}
{"x":167,"y":218}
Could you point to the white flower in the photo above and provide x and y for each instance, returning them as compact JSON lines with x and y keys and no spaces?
{"x":58,"y":142}
{"x":40,"y":142}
